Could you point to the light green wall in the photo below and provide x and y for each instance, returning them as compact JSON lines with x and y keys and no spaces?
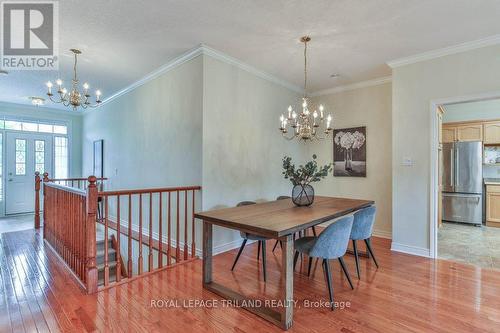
{"x":74,"y":127}
{"x":480,"y":110}
{"x":370,"y":107}
{"x":413,"y":88}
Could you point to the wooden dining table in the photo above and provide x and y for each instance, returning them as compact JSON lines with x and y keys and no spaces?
{"x":280,"y":220}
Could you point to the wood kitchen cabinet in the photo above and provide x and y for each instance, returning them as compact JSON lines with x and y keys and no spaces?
{"x":491,"y":132}
{"x":462,"y":132}
{"x":449,"y":134}
{"x":471,"y":132}
{"x":493,"y":205}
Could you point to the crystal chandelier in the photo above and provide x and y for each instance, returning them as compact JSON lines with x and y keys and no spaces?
{"x":306,"y":125}
{"x":75,"y":98}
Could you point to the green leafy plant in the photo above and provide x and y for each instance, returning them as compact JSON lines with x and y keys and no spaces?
{"x":305,"y":174}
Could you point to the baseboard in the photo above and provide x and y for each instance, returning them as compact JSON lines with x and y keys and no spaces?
{"x":414,"y":250}
{"x":229,"y":246}
{"x":382,"y":234}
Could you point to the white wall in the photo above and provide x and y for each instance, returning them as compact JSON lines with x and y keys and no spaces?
{"x":242,"y":146}
{"x":73,"y":120}
{"x":370,"y":107}
{"x":414,"y":86}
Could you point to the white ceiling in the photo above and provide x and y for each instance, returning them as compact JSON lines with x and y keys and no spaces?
{"x":123,"y":40}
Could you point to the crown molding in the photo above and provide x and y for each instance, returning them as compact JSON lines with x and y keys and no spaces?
{"x":183,"y":58}
{"x":467,"y":46}
{"x":191,"y":54}
{"x":11,"y":105}
{"x":353,"y":86}
{"x":241,"y":65}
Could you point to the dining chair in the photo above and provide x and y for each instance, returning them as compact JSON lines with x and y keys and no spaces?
{"x":247,"y":236}
{"x":330,"y":244}
{"x":283,"y":197}
{"x":362,"y":229}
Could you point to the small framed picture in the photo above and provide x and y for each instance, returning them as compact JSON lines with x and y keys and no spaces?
{"x":349,"y":152}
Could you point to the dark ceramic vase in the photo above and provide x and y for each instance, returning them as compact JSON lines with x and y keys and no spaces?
{"x":303,"y":195}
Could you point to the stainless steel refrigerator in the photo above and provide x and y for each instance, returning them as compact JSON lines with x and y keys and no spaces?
{"x":463,"y":182}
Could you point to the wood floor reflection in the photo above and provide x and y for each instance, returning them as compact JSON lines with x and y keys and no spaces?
{"x":406,"y":294}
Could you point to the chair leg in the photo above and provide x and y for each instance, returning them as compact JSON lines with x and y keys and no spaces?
{"x":369,"y":247}
{"x":275,"y":244}
{"x":295,"y":257}
{"x":309,"y":266}
{"x":264,"y":258}
{"x":356,"y":256}
{"x":326,"y":267}
{"x":346,"y":272}
{"x":281,"y":245}
{"x":258,"y":250}
{"x":239,"y":253}
{"x":314,"y":231}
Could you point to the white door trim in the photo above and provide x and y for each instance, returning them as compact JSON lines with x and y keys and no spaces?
{"x":433,"y":188}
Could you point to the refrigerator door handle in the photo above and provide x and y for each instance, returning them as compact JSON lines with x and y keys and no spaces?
{"x":457,"y":167}
{"x":452,"y":166}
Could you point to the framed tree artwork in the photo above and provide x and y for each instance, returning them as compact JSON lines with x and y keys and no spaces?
{"x":98,"y":159}
{"x":349,"y":152}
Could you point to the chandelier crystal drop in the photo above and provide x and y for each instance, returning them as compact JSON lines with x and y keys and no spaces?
{"x":306,"y":125}
{"x":74,"y":98}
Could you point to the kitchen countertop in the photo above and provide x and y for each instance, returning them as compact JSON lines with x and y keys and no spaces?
{"x":491,"y":181}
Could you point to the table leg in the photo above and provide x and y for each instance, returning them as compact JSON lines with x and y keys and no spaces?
{"x":287,"y":282}
{"x":207,"y":253}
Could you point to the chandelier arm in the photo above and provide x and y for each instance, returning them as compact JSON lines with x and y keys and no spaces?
{"x":289,"y":138}
{"x":54,"y":101}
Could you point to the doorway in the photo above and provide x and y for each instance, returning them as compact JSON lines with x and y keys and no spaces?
{"x":466,"y":178}
{"x":26,"y":153}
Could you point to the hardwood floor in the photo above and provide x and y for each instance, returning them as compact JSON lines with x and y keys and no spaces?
{"x":406,"y":294}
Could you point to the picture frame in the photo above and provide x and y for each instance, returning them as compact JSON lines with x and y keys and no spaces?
{"x":349,"y":152}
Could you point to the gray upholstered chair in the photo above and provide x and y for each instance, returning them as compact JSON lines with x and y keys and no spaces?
{"x":362,"y":229}
{"x":330,"y":244}
{"x":283,"y":197}
{"x":246,"y":236}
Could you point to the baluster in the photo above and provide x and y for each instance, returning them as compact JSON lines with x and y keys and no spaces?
{"x":160,"y":233}
{"x":178,"y":249}
{"x":106,"y":225}
{"x":140,"y":234}
{"x":129,"y":245}
{"x":186,"y":251}
{"x":169,"y":236}
{"x":193,"y":245}
{"x":118,"y":236}
{"x":150,"y":255}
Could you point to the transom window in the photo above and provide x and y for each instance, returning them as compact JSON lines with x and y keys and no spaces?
{"x":32,"y":126}
{"x":20,"y":157}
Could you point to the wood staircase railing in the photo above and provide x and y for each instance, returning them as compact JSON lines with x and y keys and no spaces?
{"x":154,"y":228}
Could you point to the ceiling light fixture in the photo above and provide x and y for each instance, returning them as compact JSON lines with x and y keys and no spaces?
{"x":74,"y":98}
{"x":306,"y":125}
{"x":37,"y":101}
{"x":335,"y":75}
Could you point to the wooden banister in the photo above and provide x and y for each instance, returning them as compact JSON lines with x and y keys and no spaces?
{"x":72,"y":215}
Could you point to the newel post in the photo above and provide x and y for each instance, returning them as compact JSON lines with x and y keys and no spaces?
{"x":90,"y":224}
{"x":45,"y":180}
{"x":37,"y":200}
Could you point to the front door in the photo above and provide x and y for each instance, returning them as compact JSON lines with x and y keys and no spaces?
{"x":25,"y":154}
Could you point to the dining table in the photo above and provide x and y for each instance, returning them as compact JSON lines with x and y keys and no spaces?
{"x":280,"y":220}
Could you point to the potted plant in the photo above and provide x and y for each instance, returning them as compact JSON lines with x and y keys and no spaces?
{"x":302,"y":177}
